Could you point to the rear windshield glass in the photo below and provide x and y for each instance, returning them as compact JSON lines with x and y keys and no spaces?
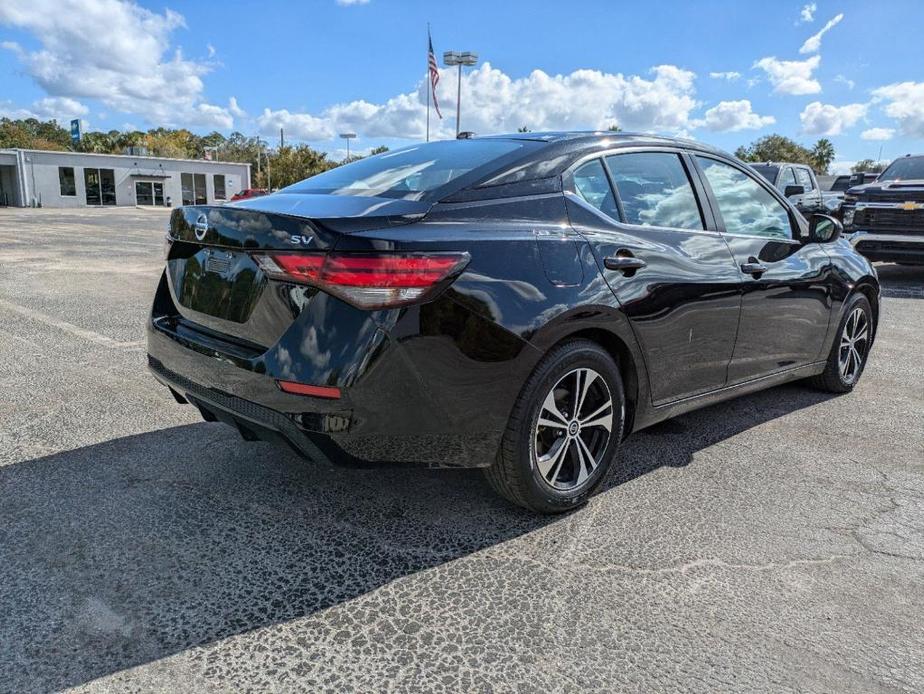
{"x":413,"y":172}
{"x":768,"y":172}
{"x":904,"y":169}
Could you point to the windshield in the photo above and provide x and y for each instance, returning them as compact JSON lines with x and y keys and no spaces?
{"x":906,"y":168}
{"x":768,"y":172}
{"x":412,"y":172}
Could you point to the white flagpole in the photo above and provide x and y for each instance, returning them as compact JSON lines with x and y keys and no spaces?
{"x":427,"y":78}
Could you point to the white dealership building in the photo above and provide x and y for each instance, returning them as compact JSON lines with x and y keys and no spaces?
{"x":33,"y":178}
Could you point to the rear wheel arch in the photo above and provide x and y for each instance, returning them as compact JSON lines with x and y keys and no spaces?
{"x":871,"y":292}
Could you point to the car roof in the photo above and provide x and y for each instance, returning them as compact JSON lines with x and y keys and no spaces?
{"x":589,"y":138}
{"x":562,"y":148}
{"x":779,"y":163}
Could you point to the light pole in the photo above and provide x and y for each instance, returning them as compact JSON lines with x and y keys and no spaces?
{"x":451,"y":58}
{"x":348,"y":137}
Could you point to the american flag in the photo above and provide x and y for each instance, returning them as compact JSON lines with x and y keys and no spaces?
{"x":434,"y":75}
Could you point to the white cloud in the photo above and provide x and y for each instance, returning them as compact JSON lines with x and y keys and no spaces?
{"x":299,"y":126}
{"x":824,"y":119}
{"x":730,"y":116}
{"x":116,"y":52}
{"x":731,"y":75}
{"x":61,"y":109}
{"x":813,"y":43}
{"x":878,"y":134}
{"x":492,"y":101}
{"x":840,"y":79}
{"x":791,"y":76}
{"x":808,"y":12}
{"x":236,"y":110}
{"x":838,"y":168}
{"x":904,"y":101}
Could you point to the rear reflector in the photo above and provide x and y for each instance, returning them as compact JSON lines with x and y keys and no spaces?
{"x":305,"y":389}
{"x":367,"y":280}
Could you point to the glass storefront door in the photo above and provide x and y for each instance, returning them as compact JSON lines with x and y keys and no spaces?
{"x":149,"y":193}
{"x":100,"y":186}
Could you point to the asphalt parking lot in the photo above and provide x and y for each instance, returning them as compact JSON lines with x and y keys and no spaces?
{"x":773,"y":543}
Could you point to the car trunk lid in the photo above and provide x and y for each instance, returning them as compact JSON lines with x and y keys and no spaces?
{"x":217,"y":284}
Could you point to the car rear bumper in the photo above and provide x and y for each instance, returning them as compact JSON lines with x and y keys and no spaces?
{"x":389,"y":414}
{"x":888,"y":247}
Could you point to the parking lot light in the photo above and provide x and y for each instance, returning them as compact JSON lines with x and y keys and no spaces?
{"x":459,"y":59}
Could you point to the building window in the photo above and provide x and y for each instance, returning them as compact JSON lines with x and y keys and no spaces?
{"x":66,"y":179}
{"x":100,"y":185}
{"x":193,"y":186}
{"x":219,"y":180}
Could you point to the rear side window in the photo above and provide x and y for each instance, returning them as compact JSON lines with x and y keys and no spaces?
{"x":745,"y":205}
{"x":654,"y":190}
{"x":591,"y":184}
{"x":787,"y":178}
{"x":805,"y":179}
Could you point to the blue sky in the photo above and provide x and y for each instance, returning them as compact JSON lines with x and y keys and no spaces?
{"x":722,"y":72}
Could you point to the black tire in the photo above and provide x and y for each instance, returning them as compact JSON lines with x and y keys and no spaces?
{"x":516,"y":474}
{"x":833,"y":378}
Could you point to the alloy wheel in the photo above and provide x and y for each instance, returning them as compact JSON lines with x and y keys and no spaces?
{"x":854,"y":345}
{"x":573,"y":429}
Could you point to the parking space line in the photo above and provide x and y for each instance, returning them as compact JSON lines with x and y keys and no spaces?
{"x":69,"y":328}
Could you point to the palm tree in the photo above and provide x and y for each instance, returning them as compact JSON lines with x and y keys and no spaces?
{"x":822,"y":155}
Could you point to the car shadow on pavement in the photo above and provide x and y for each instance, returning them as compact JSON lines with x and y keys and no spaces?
{"x":131,"y":550}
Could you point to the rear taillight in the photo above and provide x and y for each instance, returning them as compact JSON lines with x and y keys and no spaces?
{"x":367,"y":280}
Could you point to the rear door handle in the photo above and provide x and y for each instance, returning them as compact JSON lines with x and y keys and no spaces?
{"x":623,"y":263}
{"x":753,"y":268}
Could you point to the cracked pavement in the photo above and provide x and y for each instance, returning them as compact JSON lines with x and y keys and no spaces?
{"x":772,"y":543}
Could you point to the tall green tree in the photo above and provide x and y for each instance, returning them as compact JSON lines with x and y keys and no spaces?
{"x":777,"y":147}
{"x":823,"y":154}
{"x":869,"y":166}
{"x":291,"y":164}
{"x":31,"y":133}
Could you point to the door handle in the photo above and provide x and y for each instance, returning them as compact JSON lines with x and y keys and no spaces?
{"x":624,"y":263}
{"x":753,"y":268}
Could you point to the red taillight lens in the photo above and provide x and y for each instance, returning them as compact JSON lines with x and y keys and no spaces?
{"x":367,"y":280}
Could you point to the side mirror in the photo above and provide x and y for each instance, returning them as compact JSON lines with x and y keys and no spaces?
{"x":794,"y":190}
{"x":824,"y":229}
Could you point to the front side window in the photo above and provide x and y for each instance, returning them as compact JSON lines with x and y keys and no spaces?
{"x":66,"y":179}
{"x":805,"y":179}
{"x":654,"y":190}
{"x":745,"y":205}
{"x":591,"y":183}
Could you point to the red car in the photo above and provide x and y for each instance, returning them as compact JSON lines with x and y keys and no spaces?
{"x":249,"y":193}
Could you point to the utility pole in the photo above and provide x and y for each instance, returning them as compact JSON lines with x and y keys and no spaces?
{"x":282,"y":138}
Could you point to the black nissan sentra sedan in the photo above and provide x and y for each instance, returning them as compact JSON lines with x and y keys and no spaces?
{"x":518,"y":303}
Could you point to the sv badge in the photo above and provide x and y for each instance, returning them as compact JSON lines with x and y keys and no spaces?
{"x":299,"y":240}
